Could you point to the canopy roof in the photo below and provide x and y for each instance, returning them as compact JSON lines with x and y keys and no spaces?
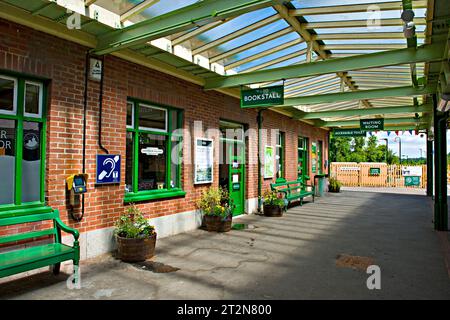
{"x":340,"y":60}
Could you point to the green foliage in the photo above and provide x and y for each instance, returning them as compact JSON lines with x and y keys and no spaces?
{"x":273,"y":198}
{"x":360,"y":149}
{"x":133,"y":224}
{"x":216,"y":202}
{"x":334,"y":185}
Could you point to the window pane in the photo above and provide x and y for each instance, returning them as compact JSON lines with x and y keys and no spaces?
{"x":176,"y":157}
{"x":130,"y":114}
{"x":152,"y":118}
{"x":32,"y":99}
{"x":7,"y":160}
{"x":152,"y":162}
{"x":129,"y":163}
{"x":6,"y":94}
{"x":231,"y":130}
{"x":31,"y":162}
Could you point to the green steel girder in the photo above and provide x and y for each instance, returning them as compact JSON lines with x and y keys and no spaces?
{"x":425,"y":53}
{"x":365,"y":112}
{"x":393,"y":121}
{"x":407,"y":91}
{"x":197,"y":14}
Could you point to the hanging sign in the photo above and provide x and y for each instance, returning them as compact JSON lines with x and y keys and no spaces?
{"x":349,"y":133}
{"x":262,"y":97}
{"x":371,"y":124}
{"x":203,"y":172}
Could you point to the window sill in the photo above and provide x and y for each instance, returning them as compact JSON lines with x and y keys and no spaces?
{"x":153,"y":195}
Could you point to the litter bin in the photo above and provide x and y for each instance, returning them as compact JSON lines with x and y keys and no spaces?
{"x":320,"y":182}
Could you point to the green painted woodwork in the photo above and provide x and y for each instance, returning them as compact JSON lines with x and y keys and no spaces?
{"x":153,"y":195}
{"x":425,"y":53}
{"x":365,"y":112}
{"x":25,"y":259}
{"x":168,"y":192}
{"x":360,"y":95}
{"x":302,"y":158}
{"x":197,"y":14}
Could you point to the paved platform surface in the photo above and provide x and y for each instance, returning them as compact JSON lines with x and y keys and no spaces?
{"x":289,"y":257}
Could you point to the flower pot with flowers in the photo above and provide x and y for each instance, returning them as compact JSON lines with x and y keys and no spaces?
{"x":273,"y":204}
{"x":334,"y":185}
{"x":217,"y":208}
{"x":136,"y":238}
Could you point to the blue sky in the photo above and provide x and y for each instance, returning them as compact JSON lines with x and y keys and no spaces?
{"x":411,"y":144}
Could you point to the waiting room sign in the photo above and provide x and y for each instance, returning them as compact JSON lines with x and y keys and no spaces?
{"x":262,"y":97}
{"x":372,"y":124}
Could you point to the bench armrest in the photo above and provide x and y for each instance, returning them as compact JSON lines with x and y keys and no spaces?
{"x":67,"y":229}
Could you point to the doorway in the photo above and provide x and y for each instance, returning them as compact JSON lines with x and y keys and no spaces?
{"x":232,"y":164}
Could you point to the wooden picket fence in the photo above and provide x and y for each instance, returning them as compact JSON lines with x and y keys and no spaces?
{"x":354,"y":174}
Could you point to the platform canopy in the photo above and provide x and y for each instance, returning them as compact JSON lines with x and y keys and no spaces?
{"x":339,"y":60}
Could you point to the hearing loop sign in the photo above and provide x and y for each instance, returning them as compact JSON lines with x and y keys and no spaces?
{"x":108,"y":169}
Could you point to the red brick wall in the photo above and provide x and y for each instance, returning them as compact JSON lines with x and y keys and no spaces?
{"x":31,"y":52}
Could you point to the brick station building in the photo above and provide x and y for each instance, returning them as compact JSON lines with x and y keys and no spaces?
{"x":42,"y":142}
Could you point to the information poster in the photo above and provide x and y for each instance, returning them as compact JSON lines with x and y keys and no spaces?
{"x":314,"y":157}
{"x":203,"y":172}
{"x":269,"y":162}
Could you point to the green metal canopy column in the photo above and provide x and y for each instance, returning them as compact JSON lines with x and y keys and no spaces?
{"x":429,"y":166}
{"x":440,"y":167}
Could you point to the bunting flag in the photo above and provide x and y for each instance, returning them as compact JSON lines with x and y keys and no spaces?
{"x":417,"y":131}
{"x":389,"y":133}
{"x":410,"y":132}
{"x":396,"y":132}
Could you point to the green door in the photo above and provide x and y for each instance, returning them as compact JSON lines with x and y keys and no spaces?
{"x":237,"y":167}
{"x":319,"y":158}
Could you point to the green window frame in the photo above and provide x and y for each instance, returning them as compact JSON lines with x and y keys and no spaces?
{"x":303,"y":158}
{"x":279,"y":154}
{"x":34,"y":121}
{"x":173,"y":145}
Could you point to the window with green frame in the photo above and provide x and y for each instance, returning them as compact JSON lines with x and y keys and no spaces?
{"x":303,"y":157}
{"x":22,"y":142}
{"x":154,"y":151}
{"x":279,"y":154}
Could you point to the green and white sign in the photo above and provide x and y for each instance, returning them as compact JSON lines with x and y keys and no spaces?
{"x":371,"y":124}
{"x":269,"y":162}
{"x":349,"y":133}
{"x":374,"y":171}
{"x":411,"y":181}
{"x":262,"y":97}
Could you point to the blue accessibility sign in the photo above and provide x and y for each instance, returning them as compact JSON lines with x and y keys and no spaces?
{"x":108,"y":168}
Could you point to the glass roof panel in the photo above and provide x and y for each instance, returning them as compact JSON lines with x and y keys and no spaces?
{"x":118,"y":6}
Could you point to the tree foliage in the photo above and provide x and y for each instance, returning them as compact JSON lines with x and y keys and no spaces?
{"x":360,"y":149}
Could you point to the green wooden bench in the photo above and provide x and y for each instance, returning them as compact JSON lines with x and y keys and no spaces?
{"x":293,"y":190}
{"x":52,"y":254}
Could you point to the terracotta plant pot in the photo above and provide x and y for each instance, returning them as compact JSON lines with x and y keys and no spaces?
{"x":215,"y":223}
{"x":136,"y":250}
{"x":272,"y":210}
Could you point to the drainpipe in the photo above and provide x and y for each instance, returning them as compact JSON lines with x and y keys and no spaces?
{"x":260,"y":120}
{"x":100,"y":104}
{"x":85,"y":103}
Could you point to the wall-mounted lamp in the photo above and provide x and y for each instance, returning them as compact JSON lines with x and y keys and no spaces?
{"x":409,"y":28}
{"x":444,"y":102}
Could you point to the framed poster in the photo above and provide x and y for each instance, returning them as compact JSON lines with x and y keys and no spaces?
{"x":269,"y":162}
{"x":314,"y":157}
{"x":203,"y":167}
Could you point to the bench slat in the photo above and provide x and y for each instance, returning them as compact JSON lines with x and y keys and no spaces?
{"x":29,"y":255}
{"x":27,"y":235}
{"x":26,"y":219}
